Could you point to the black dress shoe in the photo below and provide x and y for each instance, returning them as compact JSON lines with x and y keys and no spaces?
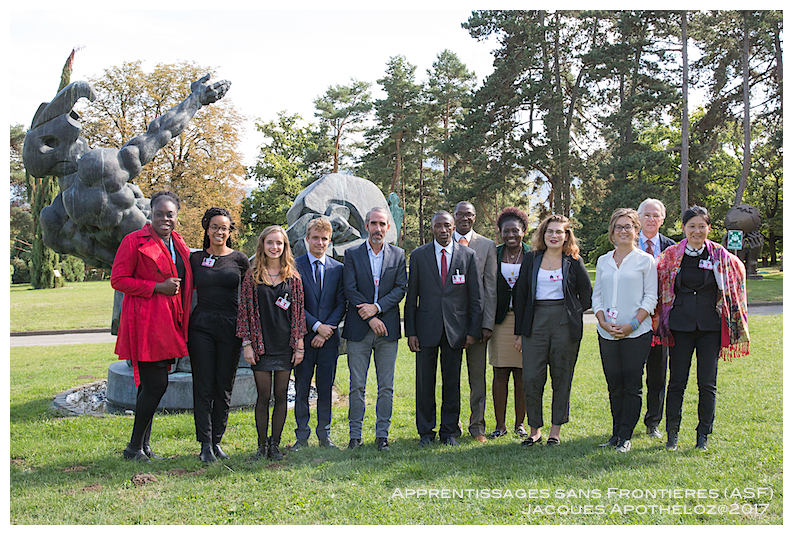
{"x":150,"y":454}
{"x":652,"y":431}
{"x":327,"y":443}
{"x":219,"y":453}
{"x":612,"y":443}
{"x":206,"y":454}
{"x":135,"y":455}
{"x":702,"y":442}
{"x":382,"y":444}
{"x":354,"y":443}
{"x":671,"y":440}
{"x":426,"y":441}
{"x":451,"y":441}
{"x":299,"y":443}
{"x":273,"y":452}
{"x":531,"y":442}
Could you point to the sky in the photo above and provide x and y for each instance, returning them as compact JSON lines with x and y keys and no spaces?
{"x":275,"y":59}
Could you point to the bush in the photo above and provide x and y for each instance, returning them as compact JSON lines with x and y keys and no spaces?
{"x":21,"y":271}
{"x":72,"y":268}
{"x":602,"y":246}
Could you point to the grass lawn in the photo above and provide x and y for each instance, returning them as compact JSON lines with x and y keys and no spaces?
{"x":87,"y":305}
{"x":70,"y":470}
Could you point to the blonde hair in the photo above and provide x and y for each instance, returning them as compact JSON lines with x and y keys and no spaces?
{"x":319,"y":224}
{"x":630,"y":213}
{"x":259,"y":266}
{"x":570,"y":243}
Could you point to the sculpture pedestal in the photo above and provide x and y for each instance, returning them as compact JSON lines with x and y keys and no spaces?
{"x":121,"y":389}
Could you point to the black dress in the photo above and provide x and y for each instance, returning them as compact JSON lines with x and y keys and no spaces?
{"x":276,"y":327}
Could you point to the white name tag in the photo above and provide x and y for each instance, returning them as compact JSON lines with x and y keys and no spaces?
{"x":611,"y":314}
{"x":457,"y":278}
{"x":208,"y":262}
{"x":556,"y":277}
{"x":282,"y":303}
{"x":706,"y":264}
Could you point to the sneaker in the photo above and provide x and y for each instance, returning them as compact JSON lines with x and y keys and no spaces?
{"x":624,"y":446}
{"x":382,"y":444}
{"x":653,"y":432}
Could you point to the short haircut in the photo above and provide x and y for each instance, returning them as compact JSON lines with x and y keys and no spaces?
{"x":630,"y":213}
{"x":513,"y":213}
{"x":650,"y":200}
{"x":378,"y":209}
{"x":465,"y":203}
{"x":695,"y":211}
{"x":570,"y":244}
{"x":441,"y":213}
{"x":320,"y":224}
{"x":165,"y":195}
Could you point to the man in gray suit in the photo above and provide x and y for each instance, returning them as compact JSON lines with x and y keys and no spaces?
{"x":443,"y":311}
{"x":476,"y":354}
{"x":375,"y":280}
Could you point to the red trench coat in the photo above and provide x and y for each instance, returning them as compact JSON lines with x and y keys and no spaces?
{"x":153,"y":326}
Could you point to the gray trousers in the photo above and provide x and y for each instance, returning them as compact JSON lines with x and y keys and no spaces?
{"x":358,"y":358}
{"x":549,"y":347}
{"x":476,"y":359}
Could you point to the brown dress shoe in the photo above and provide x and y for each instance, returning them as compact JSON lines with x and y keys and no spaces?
{"x":480,"y":438}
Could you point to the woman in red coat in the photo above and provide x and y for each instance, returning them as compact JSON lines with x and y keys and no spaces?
{"x":152,"y":269}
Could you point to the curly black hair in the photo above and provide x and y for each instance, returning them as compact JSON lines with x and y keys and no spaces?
{"x":165,"y":195}
{"x":208,"y":215}
{"x":513,"y":213}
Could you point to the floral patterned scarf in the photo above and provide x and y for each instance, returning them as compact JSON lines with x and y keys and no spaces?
{"x":731,"y":279}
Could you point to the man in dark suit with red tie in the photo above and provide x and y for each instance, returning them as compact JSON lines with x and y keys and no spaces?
{"x":652,"y":213}
{"x":443,"y":310}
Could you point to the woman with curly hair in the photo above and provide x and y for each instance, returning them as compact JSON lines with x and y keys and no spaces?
{"x":550,"y":297}
{"x":504,"y":357}
{"x":271,"y":323}
{"x":211,"y":338}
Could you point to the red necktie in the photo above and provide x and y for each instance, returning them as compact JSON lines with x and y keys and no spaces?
{"x":463,"y":241}
{"x":444,"y":268}
{"x":648,"y":246}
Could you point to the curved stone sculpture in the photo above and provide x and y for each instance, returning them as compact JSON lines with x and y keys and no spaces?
{"x":747,"y":218}
{"x":344,"y":200}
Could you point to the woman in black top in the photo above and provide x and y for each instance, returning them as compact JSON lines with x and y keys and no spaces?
{"x":212,"y":341}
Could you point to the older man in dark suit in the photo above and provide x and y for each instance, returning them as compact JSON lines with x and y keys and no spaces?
{"x":652,"y":213}
{"x":325,"y":306}
{"x":443,"y":311}
{"x":375,"y":280}
{"x":476,"y":355}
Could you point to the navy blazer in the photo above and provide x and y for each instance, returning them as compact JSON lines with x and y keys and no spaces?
{"x":327,"y":306}
{"x":359,"y":288}
{"x":431,"y":308}
{"x":577,"y":290}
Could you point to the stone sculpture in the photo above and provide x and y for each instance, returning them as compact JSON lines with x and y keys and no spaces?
{"x":397,"y":212}
{"x":746,"y":218}
{"x":344,"y":200}
{"x":97,"y":206}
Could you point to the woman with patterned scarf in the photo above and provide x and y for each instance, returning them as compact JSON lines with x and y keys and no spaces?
{"x":702,"y":306}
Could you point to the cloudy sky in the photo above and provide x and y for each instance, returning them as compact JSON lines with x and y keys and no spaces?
{"x":276,"y":59}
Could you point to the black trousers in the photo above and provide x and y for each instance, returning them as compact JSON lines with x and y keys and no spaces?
{"x":707,"y":345}
{"x":153,"y":384}
{"x":426,"y":369}
{"x":657,"y":363}
{"x":623,"y":365}
{"x":214,"y":358}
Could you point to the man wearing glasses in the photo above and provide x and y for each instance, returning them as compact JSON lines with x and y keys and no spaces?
{"x":652,"y":213}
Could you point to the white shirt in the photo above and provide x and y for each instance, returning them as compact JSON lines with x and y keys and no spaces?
{"x":549,"y":285}
{"x":448,"y":249}
{"x":626,"y":289}
{"x":655,"y":241}
{"x":469,"y":236}
{"x":376,"y":265}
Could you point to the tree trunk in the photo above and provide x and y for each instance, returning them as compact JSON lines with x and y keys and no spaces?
{"x":684,"y":128}
{"x":747,"y":130}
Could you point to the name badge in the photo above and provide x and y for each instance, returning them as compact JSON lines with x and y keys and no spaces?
{"x":281,"y":302}
{"x":706,"y":264}
{"x":457,"y":278}
{"x":611,"y":314}
{"x":556,"y":277}
{"x":208,"y":262}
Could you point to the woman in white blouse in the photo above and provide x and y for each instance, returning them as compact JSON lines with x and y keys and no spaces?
{"x":624,"y":298}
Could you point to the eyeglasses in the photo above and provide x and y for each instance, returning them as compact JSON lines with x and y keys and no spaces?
{"x":620,"y":228}
{"x":215,"y":228}
{"x":652,"y":216}
{"x":551,"y":232}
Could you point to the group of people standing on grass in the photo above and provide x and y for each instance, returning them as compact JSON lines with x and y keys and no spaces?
{"x":518,"y":306}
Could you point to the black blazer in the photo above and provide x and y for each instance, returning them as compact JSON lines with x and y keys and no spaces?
{"x":432,"y":308}
{"x":503,"y":290}
{"x":577,"y":293}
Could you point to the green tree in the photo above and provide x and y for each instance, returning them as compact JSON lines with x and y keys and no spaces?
{"x":343,"y":109}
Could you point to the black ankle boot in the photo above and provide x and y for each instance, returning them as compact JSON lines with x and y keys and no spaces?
{"x":219,"y":453}
{"x":273,"y":452}
{"x":135,"y":455}
{"x":150,"y":454}
{"x":206,"y":454}
{"x":263,"y":450}
{"x":671,"y":440}
{"x":702,"y":442}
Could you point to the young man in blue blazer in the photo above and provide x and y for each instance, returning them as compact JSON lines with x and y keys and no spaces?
{"x":325,"y":306}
